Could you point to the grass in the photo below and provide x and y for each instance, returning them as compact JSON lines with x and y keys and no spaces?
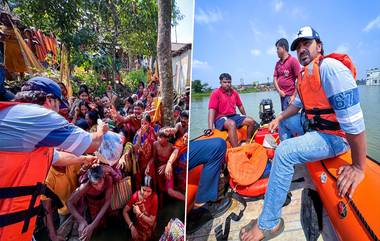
{"x":199,"y":95}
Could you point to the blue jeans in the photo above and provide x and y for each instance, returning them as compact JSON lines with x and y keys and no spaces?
{"x":308,"y":147}
{"x":285,"y":102}
{"x":210,"y":153}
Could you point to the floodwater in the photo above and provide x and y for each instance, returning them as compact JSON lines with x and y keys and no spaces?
{"x":369,"y":98}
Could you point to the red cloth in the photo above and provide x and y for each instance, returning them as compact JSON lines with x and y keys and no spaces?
{"x":149,"y":207}
{"x":286,"y":73}
{"x":223,"y":103}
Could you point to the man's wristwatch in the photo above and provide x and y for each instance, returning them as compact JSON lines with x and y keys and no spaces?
{"x":207,"y":132}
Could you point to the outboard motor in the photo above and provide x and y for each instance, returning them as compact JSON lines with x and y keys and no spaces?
{"x":266,"y":111}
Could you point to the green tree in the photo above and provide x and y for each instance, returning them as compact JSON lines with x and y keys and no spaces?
{"x":90,"y":28}
{"x":198,"y":87}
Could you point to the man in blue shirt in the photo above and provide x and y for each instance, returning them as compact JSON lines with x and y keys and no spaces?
{"x":36,"y":122}
{"x":347,"y":131}
{"x":31,"y":133}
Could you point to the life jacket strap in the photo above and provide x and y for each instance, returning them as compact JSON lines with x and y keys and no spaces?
{"x":323,"y":124}
{"x":15,"y":217}
{"x":26,"y":215}
{"x":317,"y":122}
{"x":317,"y":111}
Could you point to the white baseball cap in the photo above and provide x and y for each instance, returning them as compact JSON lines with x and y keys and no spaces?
{"x":305,"y":32}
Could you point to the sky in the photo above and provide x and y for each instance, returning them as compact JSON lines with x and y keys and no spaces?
{"x":185,"y":26}
{"x":239,"y":36}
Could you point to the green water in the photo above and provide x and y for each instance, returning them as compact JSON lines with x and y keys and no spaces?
{"x":369,"y":98}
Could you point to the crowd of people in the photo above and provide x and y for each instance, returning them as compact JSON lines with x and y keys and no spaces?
{"x":151,"y":169}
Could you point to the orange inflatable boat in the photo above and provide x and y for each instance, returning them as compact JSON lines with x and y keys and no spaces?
{"x":355,"y":219}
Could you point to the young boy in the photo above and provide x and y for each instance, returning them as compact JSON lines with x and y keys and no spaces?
{"x":164,"y":155}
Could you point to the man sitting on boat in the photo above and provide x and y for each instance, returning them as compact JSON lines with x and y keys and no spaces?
{"x":334,"y":123}
{"x":222,"y":111}
{"x":210,"y":153}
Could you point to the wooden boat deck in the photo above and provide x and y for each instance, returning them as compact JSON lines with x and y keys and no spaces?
{"x":291,"y":214}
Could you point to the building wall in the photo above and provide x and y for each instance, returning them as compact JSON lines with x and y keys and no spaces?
{"x":373,"y":77}
{"x":181,"y":71}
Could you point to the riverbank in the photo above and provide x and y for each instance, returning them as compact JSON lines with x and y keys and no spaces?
{"x":199,"y":95}
{"x":243,"y":91}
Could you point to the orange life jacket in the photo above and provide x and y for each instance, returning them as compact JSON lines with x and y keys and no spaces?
{"x":318,"y":110}
{"x":21,"y":178}
{"x":246,"y":163}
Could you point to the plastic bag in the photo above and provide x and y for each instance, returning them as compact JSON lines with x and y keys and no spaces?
{"x":111,"y":148}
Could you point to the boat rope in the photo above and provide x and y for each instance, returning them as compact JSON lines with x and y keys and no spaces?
{"x":355,"y":208}
{"x":221,"y":235}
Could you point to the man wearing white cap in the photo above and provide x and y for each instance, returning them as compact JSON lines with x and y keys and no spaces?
{"x":332,"y":124}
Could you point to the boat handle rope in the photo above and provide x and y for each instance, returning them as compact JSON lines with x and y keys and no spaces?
{"x":354,"y":207}
{"x":223,"y":236}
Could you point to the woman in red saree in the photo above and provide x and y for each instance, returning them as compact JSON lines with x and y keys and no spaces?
{"x":144,"y":204}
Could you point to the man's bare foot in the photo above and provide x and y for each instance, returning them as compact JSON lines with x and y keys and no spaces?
{"x":256,"y":234}
{"x":253,"y":234}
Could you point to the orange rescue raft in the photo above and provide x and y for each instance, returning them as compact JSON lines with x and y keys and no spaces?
{"x":366,"y":200}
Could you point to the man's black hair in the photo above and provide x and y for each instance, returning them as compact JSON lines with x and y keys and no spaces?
{"x":283,"y":43}
{"x":31,"y":96}
{"x":185,"y":114}
{"x":83,"y":90}
{"x":83,"y":87}
{"x":93,"y":116}
{"x":177,"y":108}
{"x":320,"y":42}
{"x":130,"y":100}
{"x":95,"y":173}
{"x":162,"y":132}
{"x":139,"y":103}
{"x":225,"y":76}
